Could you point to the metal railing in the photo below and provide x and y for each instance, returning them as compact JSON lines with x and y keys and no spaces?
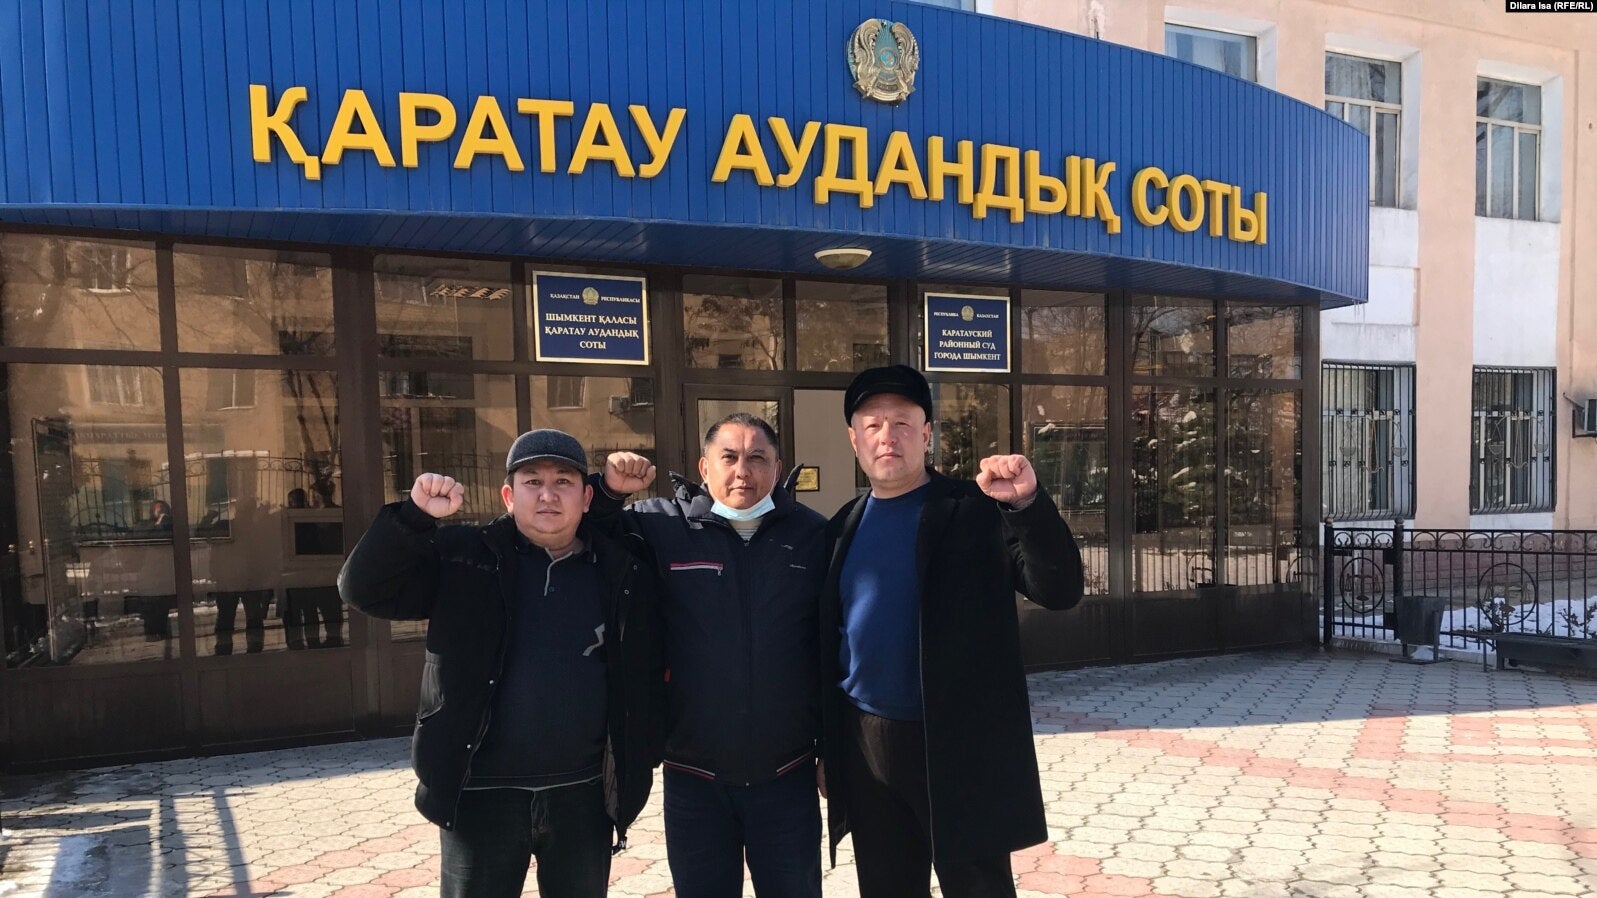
{"x":1492,"y":581}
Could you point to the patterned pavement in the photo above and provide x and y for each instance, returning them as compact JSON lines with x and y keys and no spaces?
{"x":1278,"y":774}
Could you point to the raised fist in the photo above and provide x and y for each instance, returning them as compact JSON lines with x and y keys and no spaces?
{"x":627,"y":472}
{"x":1008,"y":478}
{"x":438,"y":495}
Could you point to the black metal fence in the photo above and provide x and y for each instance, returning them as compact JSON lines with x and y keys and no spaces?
{"x":1492,"y":581}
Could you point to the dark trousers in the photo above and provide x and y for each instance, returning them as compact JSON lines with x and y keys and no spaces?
{"x":499,"y":831}
{"x":889,"y":813}
{"x":256,"y":602}
{"x":712,"y":828}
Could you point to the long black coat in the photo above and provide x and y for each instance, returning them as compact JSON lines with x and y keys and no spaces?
{"x":462,"y":579}
{"x":972,"y":555}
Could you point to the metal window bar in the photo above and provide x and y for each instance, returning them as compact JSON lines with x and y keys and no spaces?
{"x":1512,"y":434}
{"x":1367,"y":437}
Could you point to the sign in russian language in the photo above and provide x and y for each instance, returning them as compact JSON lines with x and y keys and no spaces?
{"x":590,"y":318}
{"x":1008,"y":179}
{"x":967,"y":333}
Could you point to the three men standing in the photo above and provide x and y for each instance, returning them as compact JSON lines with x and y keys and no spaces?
{"x":887,"y":641}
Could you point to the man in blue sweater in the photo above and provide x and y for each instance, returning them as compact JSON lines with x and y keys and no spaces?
{"x":926,"y":724}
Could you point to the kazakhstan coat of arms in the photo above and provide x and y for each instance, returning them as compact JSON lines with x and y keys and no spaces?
{"x":883,"y":57}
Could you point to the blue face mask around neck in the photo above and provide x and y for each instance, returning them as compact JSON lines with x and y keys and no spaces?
{"x":762,"y":507}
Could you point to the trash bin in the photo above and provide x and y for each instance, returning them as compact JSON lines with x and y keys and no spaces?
{"x":1418,"y":621}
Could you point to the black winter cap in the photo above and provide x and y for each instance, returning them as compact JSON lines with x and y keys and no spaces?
{"x":901,"y":380}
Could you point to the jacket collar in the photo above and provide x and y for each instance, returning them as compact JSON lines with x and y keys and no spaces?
{"x":503,"y":538}
{"x":941,"y":496}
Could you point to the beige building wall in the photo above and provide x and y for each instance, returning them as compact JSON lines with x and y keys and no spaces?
{"x":1449,"y":291}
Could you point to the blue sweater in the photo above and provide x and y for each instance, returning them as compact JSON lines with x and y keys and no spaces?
{"x":880,"y":649}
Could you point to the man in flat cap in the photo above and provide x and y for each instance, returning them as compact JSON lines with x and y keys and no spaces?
{"x":927,"y":742}
{"x":543,"y":678}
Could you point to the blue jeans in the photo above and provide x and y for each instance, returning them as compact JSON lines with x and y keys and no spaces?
{"x":712,"y":828}
{"x":499,"y":831}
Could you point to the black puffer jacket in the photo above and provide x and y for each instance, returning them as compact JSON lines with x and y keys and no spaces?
{"x":462,"y":579}
{"x":972,"y":554}
{"x":740,"y":629}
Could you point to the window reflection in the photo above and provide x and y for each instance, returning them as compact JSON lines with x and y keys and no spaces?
{"x":86,"y":521}
{"x":841,"y":327}
{"x":264,"y":505}
{"x":443,"y":308}
{"x":1264,"y":544}
{"x":1173,"y":453}
{"x":444,"y":423}
{"x":1173,"y":337}
{"x":1062,"y":333}
{"x":256,"y":301}
{"x":60,"y":292}
{"x":1066,"y":438}
{"x":969,"y":423}
{"x":1265,"y":341}
{"x":733,"y":322}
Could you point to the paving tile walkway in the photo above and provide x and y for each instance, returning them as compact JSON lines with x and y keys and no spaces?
{"x":1257,"y":776}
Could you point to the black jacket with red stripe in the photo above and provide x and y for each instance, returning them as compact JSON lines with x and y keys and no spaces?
{"x":740,"y":630}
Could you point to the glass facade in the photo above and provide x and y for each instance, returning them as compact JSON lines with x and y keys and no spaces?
{"x":297,"y":391}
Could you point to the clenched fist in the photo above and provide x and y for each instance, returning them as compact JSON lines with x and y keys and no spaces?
{"x":1009,"y":479}
{"x":438,"y":495}
{"x":627,"y":472}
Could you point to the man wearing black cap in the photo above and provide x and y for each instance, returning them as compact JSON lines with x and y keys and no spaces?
{"x":543,"y":677}
{"x":926,"y":722}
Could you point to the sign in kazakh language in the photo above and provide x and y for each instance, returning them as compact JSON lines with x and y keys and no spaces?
{"x":1014,"y":181}
{"x":967,"y":333}
{"x":590,"y":318}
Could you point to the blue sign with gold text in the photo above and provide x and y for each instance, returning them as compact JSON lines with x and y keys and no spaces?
{"x":967,"y":333}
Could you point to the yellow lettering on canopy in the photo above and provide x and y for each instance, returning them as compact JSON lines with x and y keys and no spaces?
{"x":831,"y":179}
{"x":794,"y":154}
{"x":741,"y":151}
{"x":546,"y":111}
{"x":659,"y":144}
{"x":485,"y":116}
{"x":343,"y":137}
{"x":590,"y":149}
{"x":900,"y":167}
{"x":266,"y":125}
{"x":992,"y":156}
{"x":412,"y":132}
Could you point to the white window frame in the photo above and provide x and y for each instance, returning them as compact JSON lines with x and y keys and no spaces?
{"x":1263,"y":33}
{"x":1376,"y":107}
{"x":1520,"y":129}
{"x":118,"y":385}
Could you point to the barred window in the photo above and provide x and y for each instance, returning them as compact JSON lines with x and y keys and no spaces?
{"x":1512,"y":435}
{"x":1367,"y":431}
{"x":1508,"y":136}
{"x":1368,"y":94}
